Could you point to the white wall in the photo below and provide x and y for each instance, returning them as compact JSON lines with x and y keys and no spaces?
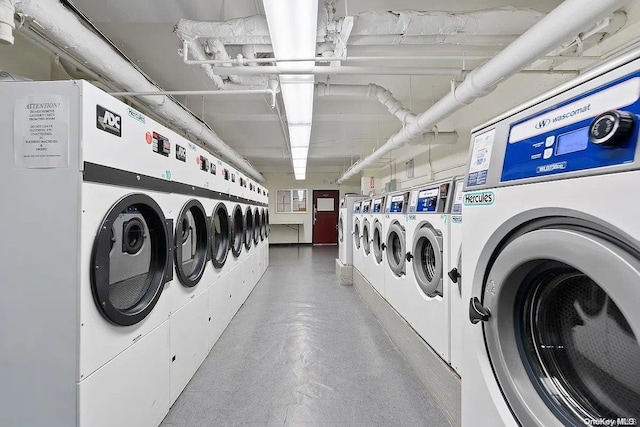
{"x":283,"y":181}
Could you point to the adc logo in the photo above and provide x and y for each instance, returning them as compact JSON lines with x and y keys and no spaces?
{"x":542,"y":123}
{"x":108,"y":121}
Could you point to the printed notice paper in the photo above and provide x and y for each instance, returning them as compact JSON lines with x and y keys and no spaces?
{"x":41,"y":132}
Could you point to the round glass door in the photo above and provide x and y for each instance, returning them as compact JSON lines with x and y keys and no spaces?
{"x":396,"y":248}
{"x":258,"y":226}
{"x":340,"y":229}
{"x":191,"y":243}
{"x":248,"y":228}
{"x":366,"y":241}
{"x":237,"y":231}
{"x":356,"y":233}
{"x":221,"y":234}
{"x":263,"y":224}
{"x":130,"y":259}
{"x":427,"y":261}
{"x":377,"y":241}
{"x":564,"y":325}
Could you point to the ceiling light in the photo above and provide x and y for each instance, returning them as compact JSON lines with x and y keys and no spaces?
{"x":298,"y":102}
{"x":300,"y":135}
{"x":299,"y":152}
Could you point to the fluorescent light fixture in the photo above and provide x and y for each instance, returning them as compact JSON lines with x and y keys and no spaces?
{"x":299,"y":152}
{"x":293,"y":27}
{"x":298,"y":102}
{"x":299,"y":136}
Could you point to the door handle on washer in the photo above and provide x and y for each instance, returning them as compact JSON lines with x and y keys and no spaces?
{"x":454,"y":275}
{"x":478,"y":312}
{"x":408,"y":257}
{"x":383,"y":246}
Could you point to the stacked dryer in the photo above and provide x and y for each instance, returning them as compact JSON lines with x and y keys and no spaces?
{"x":107,"y":289}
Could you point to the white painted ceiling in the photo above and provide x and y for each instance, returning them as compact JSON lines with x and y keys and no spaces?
{"x":343,"y":128}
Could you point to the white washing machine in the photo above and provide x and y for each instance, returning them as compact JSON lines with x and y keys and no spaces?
{"x":358,"y":255}
{"x":345,"y":227}
{"x":85,"y":331}
{"x":424,"y":291}
{"x":551,"y":262}
{"x":376,"y":232}
{"x":395,"y":247}
{"x":366,"y":222}
{"x":453,"y":280}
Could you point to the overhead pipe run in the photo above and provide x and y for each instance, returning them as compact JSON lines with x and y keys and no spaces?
{"x":64,"y":28}
{"x":384,"y":96}
{"x":564,"y":22}
{"x":7,"y":23}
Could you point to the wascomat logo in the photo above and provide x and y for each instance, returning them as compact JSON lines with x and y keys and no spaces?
{"x":108,"y":121}
{"x":481,"y":198}
{"x":542,"y":123}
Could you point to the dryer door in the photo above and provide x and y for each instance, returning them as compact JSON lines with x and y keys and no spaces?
{"x":130,"y":259}
{"x":564,"y":325}
{"x":191,"y":243}
{"x":266,"y":223}
{"x":220,"y":235}
{"x":249,"y":228}
{"x":396,"y":248}
{"x":356,"y":233}
{"x":237,"y":231}
{"x":258,"y":226}
{"x":366,"y":241}
{"x":427,"y":260}
{"x":263,"y":224}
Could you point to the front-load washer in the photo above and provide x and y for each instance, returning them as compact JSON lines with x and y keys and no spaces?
{"x":365,"y":241}
{"x":551,"y":262}
{"x":424,"y":289}
{"x":345,"y":227}
{"x":85,"y":331}
{"x":453,"y":279}
{"x":377,"y":263}
{"x":358,"y":255}
{"x":395,"y":248}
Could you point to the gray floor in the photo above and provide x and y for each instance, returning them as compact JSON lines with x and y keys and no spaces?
{"x":304,"y":350}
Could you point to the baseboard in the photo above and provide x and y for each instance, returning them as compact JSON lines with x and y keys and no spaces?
{"x":441,"y":382}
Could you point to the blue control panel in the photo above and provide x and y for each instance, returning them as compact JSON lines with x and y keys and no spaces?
{"x":396,"y":204}
{"x":427,"y":200}
{"x":457,"y":202}
{"x":569,"y":137}
{"x":365,"y":207}
{"x":356,"y":207}
{"x":377,"y":205}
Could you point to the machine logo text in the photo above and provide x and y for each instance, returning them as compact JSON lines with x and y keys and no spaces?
{"x":481,"y":198}
{"x":108,"y":121}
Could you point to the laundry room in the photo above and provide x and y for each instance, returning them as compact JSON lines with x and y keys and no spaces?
{"x":319,"y":213}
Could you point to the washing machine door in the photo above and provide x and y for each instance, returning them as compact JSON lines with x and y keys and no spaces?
{"x":427,"y":260}
{"x":563,"y":327}
{"x":377,"y":241}
{"x":237,"y":231}
{"x":396,"y":248}
{"x":366,"y":240}
{"x":266,"y":223}
{"x":249,"y":227}
{"x":258,"y":226}
{"x":340,"y":228}
{"x":130,"y":260}
{"x":220,"y":235}
{"x":356,"y":233}
{"x":263,"y":224}
{"x":191,"y":243}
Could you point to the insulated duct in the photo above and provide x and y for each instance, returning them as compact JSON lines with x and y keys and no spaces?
{"x":371,"y":90}
{"x":564,"y":22}
{"x":7,"y":23}
{"x":64,"y":28}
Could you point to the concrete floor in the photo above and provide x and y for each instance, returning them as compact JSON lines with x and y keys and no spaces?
{"x":304,"y":350}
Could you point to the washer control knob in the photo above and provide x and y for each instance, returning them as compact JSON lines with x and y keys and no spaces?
{"x":612,"y":128}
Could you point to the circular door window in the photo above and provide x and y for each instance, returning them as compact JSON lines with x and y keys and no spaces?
{"x":130,"y":259}
{"x":366,"y":241}
{"x":340,"y":229}
{"x":257,"y":225}
{"x":237,"y":233}
{"x":563,"y":333}
{"x":396,"y":248}
{"x":266,"y":223}
{"x":377,"y":241}
{"x":221,"y":234}
{"x":427,"y":261}
{"x":263,"y":224}
{"x":356,"y":234}
{"x":248,"y":228}
{"x":191,"y":243}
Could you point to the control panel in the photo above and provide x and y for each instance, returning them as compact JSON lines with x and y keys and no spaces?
{"x":457,"y":201}
{"x":356,"y":207}
{"x":366,"y":206}
{"x":594,"y":130}
{"x":397,"y":203}
{"x":430,"y":199}
{"x":378,"y":205}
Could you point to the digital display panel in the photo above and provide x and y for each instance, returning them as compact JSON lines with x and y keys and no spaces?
{"x":571,"y":142}
{"x":377,"y":205}
{"x":427,"y":201}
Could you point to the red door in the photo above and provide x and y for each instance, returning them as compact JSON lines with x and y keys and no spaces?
{"x":325,"y":217}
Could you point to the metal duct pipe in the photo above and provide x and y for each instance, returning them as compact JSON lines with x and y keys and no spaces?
{"x":7,"y":23}
{"x":371,"y":90}
{"x":327,"y":70}
{"x":564,"y":22}
{"x":64,"y":28}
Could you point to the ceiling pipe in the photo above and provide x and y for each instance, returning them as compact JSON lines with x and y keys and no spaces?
{"x":7,"y":23}
{"x":65,"y":29}
{"x":198,"y":52}
{"x":326,"y":70}
{"x":564,"y":22}
{"x":371,"y":90}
